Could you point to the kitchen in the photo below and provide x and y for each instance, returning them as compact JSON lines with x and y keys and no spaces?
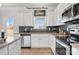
{"x":39,"y":29}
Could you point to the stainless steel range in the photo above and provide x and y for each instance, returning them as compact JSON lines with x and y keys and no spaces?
{"x":63,"y":47}
{"x":74,"y":33}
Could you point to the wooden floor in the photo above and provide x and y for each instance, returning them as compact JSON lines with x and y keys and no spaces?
{"x":36,"y":51}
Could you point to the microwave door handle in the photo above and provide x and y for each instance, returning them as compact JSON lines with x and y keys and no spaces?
{"x":75,"y":10}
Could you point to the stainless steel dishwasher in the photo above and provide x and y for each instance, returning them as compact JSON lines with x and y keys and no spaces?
{"x":26,"y":40}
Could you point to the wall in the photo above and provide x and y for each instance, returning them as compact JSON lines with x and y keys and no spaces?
{"x":5,"y":16}
{"x":22,"y":17}
{"x":26,"y":17}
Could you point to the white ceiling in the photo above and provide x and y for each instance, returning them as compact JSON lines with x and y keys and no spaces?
{"x":23,"y":7}
{"x":29,"y":4}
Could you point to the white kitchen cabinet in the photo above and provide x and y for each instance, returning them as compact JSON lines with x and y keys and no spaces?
{"x":50,"y":18}
{"x":15,"y":48}
{"x":58,"y":13}
{"x":18,"y":21}
{"x":40,"y":40}
{"x":75,"y":51}
{"x":44,"y":40}
{"x":28,"y":19}
{"x":52,"y":43}
{"x":4,"y":50}
{"x":35,"y":41}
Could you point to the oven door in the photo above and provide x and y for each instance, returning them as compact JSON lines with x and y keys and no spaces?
{"x":62,"y":48}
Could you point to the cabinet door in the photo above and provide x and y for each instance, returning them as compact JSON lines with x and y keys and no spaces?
{"x":43,"y":43}
{"x":52,"y":43}
{"x":44,"y":40}
{"x":28,"y":18}
{"x":15,"y":48}
{"x":18,"y":21}
{"x":34,"y":41}
{"x":40,"y":40}
{"x":4,"y":50}
{"x":75,"y":51}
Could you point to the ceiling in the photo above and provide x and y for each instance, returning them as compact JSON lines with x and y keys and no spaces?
{"x":29,"y":4}
{"x":23,"y":7}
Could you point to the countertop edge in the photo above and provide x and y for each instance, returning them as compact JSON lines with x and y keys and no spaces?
{"x":6,"y":44}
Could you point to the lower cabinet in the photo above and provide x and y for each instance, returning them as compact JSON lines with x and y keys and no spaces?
{"x":75,"y":51}
{"x":52,"y":43}
{"x":15,"y":48}
{"x":4,"y":50}
{"x":40,"y":41}
{"x":43,"y":41}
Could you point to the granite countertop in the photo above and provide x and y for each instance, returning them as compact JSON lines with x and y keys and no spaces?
{"x":10,"y":40}
{"x":57,"y":34}
{"x":53,"y":33}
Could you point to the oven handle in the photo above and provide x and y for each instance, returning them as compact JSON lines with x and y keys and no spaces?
{"x":63,"y":44}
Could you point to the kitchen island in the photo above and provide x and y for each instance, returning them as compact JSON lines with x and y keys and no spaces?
{"x":11,"y":46}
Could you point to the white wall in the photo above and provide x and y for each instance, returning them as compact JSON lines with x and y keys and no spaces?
{"x":23,"y":17}
{"x":5,"y":16}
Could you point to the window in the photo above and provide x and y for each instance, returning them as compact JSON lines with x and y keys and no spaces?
{"x":10,"y":22}
{"x":9,"y":25}
{"x":40,"y":23}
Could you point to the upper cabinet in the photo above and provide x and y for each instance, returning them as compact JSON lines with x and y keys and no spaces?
{"x":76,"y":11}
{"x":58,"y":12}
{"x":19,"y":19}
{"x":24,"y":19}
{"x":71,"y":13}
{"x":28,"y":19}
{"x":67,"y":14}
{"x":50,"y":18}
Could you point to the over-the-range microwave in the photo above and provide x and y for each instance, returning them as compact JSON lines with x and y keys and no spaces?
{"x":72,"y":12}
{"x":76,"y":10}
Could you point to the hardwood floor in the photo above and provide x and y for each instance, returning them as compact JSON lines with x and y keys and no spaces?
{"x":36,"y":51}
